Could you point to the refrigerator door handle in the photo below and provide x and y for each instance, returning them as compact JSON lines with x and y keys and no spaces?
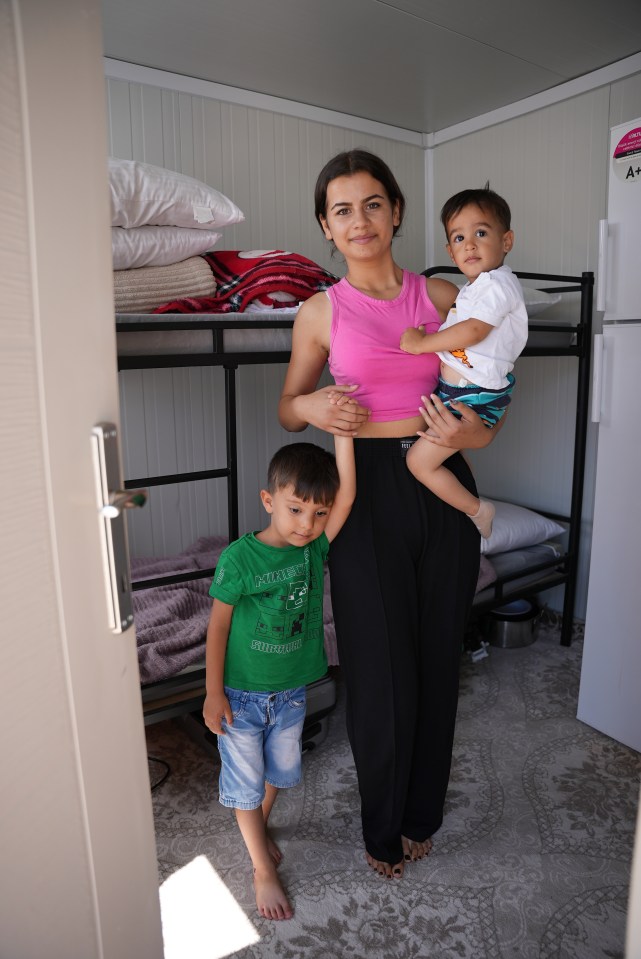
{"x":602,"y":266}
{"x":597,"y":378}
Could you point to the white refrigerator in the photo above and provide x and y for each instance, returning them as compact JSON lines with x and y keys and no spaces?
{"x":610,"y":688}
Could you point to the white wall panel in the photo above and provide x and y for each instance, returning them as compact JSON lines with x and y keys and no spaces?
{"x":172,"y":421}
{"x":266,"y":162}
{"x":550,"y":168}
{"x":625,"y":101}
{"x":519,"y":465}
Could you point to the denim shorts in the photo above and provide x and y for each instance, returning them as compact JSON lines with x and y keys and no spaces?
{"x":263,"y":744}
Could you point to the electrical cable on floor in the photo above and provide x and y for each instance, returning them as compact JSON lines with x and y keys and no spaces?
{"x":152,"y":759}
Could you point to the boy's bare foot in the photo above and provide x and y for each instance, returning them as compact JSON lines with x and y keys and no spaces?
{"x":385,"y":868}
{"x":271,"y":901}
{"x":413,"y":850}
{"x":274,"y":851}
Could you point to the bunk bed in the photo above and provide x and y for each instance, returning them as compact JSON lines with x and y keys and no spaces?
{"x":170,"y":340}
{"x":155,"y":341}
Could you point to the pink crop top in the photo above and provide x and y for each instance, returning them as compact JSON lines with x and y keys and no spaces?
{"x":364,"y":349}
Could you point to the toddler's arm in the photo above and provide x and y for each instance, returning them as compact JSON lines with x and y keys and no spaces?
{"x":344,"y":448}
{"x":458,"y":337}
{"x":216,"y":706}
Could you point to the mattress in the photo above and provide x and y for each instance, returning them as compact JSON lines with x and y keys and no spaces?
{"x":513,"y":561}
{"x":202,"y":333}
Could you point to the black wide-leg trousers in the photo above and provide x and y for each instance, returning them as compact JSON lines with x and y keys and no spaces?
{"x":403,"y":573}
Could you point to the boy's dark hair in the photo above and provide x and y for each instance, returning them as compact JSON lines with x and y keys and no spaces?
{"x":309,"y":469}
{"x":357,"y":161}
{"x":485,"y":198}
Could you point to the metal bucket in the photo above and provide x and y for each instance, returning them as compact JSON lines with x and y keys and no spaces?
{"x":513,"y":625}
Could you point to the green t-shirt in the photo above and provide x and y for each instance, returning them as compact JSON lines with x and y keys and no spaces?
{"x":276,"y":635}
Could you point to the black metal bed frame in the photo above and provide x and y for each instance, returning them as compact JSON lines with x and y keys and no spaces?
{"x":184,"y":693}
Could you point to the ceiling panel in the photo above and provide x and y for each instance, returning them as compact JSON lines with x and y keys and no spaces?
{"x":411,"y":63}
{"x":571,"y":37}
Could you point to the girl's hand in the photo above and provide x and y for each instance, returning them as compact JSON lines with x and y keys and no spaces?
{"x":445,"y":429}
{"x":333,"y":410}
{"x":412,"y":340}
{"x":215,"y":709}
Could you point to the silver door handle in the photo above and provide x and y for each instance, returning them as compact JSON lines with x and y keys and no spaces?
{"x":112,"y":500}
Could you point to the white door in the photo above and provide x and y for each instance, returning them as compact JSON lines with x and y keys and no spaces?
{"x":76,"y":833}
{"x":609,"y":696}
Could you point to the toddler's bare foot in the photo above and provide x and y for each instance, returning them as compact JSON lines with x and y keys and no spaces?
{"x":385,"y":868}
{"x":483,"y":518}
{"x":274,"y":851}
{"x":271,"y":901}
{"x":412,"y":850}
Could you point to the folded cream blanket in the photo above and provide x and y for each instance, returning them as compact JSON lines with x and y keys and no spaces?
{"x":148,"y":287}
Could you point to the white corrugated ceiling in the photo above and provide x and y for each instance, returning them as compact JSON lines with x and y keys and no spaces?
{"x":422,"y":65}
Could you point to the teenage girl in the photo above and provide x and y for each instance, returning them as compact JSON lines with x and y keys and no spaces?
{"x":405,"y":565}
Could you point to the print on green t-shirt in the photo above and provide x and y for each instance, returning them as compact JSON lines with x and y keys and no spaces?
{"x":276,"y":636}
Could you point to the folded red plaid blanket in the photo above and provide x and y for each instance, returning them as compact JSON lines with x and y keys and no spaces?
{"x":244,"y":276}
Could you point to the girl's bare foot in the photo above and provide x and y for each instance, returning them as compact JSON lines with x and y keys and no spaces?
{"x":413,"y":850}
{"x":271,"y":901}
{"x":274,"y":851}
{"x":385,"y":868}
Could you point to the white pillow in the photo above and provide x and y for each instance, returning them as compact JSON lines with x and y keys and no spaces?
{"x":535,"y":300}
{"x":516,"y":526}
{"x":142,"y":194}
{"x":158,"y":245}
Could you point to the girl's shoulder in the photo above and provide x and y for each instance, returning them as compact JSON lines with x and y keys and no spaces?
{"x":317,"y":306}
{"x":442,"y":293}
{"x":313,"y":322}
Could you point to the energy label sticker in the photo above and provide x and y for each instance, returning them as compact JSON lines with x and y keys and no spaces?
{"x":626,"y":159}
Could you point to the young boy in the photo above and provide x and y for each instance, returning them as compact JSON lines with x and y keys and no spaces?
{"x":484,"y":333}
{"x":265,"y":643}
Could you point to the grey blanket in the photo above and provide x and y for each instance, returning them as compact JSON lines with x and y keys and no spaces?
{"x":171,"y":621}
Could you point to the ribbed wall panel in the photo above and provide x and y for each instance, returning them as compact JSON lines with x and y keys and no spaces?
{"x":551,"y":166}
{"x":172,"y":422}
{"x":625,"y":100}
{"x":266,"y":162}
